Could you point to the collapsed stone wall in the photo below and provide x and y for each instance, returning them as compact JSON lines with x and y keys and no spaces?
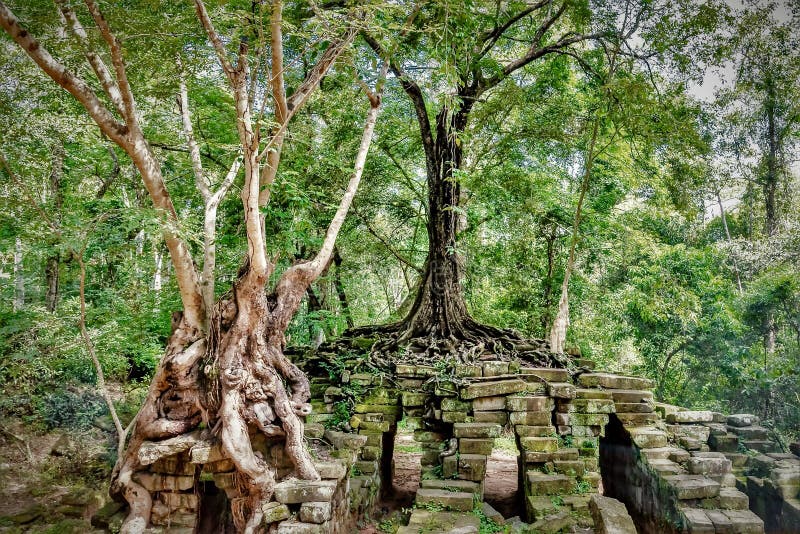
{"x":578,"y":434}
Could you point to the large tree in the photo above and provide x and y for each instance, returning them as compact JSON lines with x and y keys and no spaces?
{"x":224,"y":364}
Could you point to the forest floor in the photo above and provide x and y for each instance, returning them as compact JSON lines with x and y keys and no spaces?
{"x":50,"y":482}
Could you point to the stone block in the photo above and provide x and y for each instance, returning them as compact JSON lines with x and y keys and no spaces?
{"x":315,"y":512}
{"x":539,"y":506}
{"x":610,"y":516}
{"x":489,"y":404}
{"x":539,"y":444}
{"x":589,"y":419}
{"x":690,"y":416}
{"x":648,"y":437}
{"x":591,"y":393}
{"x":386,"y":409}
{"x":453,"y":522}
{"x":499,"y":418}
{"x":300,"y":491}
{"x":610,"y":381}
{"x":495,"y":368}
{"x":591,"y":406}
{"x":274,"y":512}
{"x":528,"y":403}
{"x":331,"y":470}
{"x":298,"y":527}
{"x":631,"y":396}
{"x":453,"y":485}
{"x":696,"y":521}
{"x":344,"y":440}
{"x":158,"y":482}
{"x":476,"y":430}
{"x":414,"y":371}
{"x":745,"y":521}
{"x":314,"y":430}
{"x":174,"y":501}
{"x":760,"y":445}
{"x":544,"y":484}
{"x":427,"y":436}
{"x":742,"y":419}
{"x":637,"y":418}
{"x":572,"y":468}
{"x":489,"y":511}
{"x":454,"y":417}
{"x":561,"y":390}
{"x":566,"y":454}
{"x":525,"y":431}
{"x":724,"y":442}
{"x":708,"y":466}
{"x":366,"y":467}
{"x":559,"y":521}
{"x":548,"y":374}
{"x":475,"y":446}
{"x":749,"y":432}
{"x":665,"y":467}
{"x":696,"y":432}
{"x":733,"y":499}
{"x":453,"y":500}
{"x":472,"y":467}
{"x":634,"y":407}
{"x":692,"y":486}
{"x":455,"y":405}
{"x":467,"y":371}
{"x":737,"y":459}
{"x":413,"y":398}
{"x":530,"y":418}
{"x":492,"y":388}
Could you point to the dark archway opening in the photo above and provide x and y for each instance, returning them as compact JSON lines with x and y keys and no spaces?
{"x":501,"y":488}
{"x":214,"y":514}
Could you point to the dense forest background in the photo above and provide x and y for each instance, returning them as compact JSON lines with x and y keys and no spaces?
{"x":679,"y":142}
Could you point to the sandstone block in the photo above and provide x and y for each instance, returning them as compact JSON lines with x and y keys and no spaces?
{"x":314,"y":430}
{"x":572,"y":468}
{"x":300,"y":491}
{"x":455,"y":405}
{"x":634,"y":407}
{"x":610,"y":381}
{"x":315,"y":512}
{"x":666,"y":467}
{"x":299,"y":527}
{"x":742,"y":419}
{"x":530,"y":418}
{"x":548,"y":374}
{"x":472,"y":467}
{"x":476,"y":430}
{"x":648,"y":437}
{"x":760,"y":445}
{"x":274,"y":512}
{"x":689,"y":416}
{"x":489,"y":404}
{"x":631,"y":396}
{"x":495,"y":368}
{"x":344,"y":440}
{"x":561,"y":390}
{"x":733,"y":499}
{"x":158,"y":482}
{"x":745,"y":521}
{"x":590,"y":393}
{"x":708,"y":466}
{"x":455,"y":417}
{"x":749,"y":432}
{"x":453,"y":485}
{"x":492,"y":389}
{"x":539,"y":444}
{"x":544,"y":484}
{"x":692,"y":486}
{"x":610,"y":516}
{"x":525,"y":431}
{"x":724,"y":443}
{"x":592,"y":406}
{"x":637,"y":418}
{"x":454,"y":500}
{"x":475,"y":446}
{"x":528,"y":403}
{"x":499,"y":418}
{"x":332,"y":470}
{"x":413,"y":398}
{"x":466,"y":371}
{"x":696,"y":521}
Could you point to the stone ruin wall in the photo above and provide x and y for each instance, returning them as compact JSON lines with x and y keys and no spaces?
{"x":675,"y":470}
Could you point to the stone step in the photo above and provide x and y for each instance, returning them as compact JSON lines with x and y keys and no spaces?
{"x":453,"y":485}
{"x":759,"y":445}
{"x":610,"y":381}
{"x":690,"y":417}
{"x":527,"y":403}
{"x":733,"y":499}
{"x":692,"y":486}
{"x":672,"y":453}
{"x":648,"y":437}
{"x":666,"y":467}
{"x":634,"y":407}
{"x":453,"y":500}
{"x":722,"y":521}
{"x":749,"y":432}
{"x":709,"y":463}
{"x":440,"y":522}
{"x":742,"y":419}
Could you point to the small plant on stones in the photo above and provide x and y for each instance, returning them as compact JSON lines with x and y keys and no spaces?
{"x":583,"y":486}
{"x":487,"y":525}
{"x":565,"y":442}
{"x":557,"y":501}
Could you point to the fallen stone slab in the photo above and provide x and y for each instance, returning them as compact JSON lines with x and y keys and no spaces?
{"x":610,"y":381}
{"x":610,"y":516}
{"x":489,"y":511}
{"x":553,"y":523}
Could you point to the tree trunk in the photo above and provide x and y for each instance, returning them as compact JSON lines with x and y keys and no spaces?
{"x":52,"y":263}
{"x":344,"y":304}
{"x":19,"y":277}
{"x":558,"y":332}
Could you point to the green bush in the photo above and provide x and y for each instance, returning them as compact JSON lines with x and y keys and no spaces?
{"x":68,"y":409}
